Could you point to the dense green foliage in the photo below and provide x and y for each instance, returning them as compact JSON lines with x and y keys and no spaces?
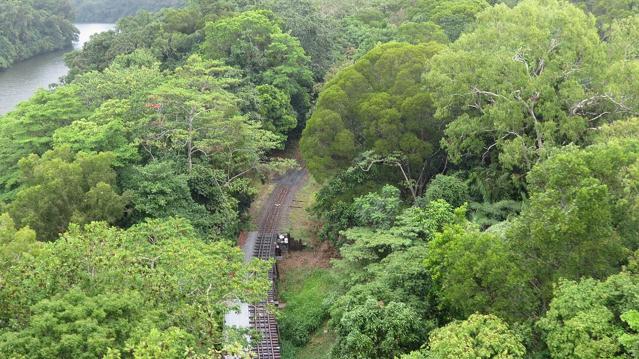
{"x":110,"y":11}
{"x":98,"y":291}
{"x":32,"y":27}
{"x":480,"y":336}
{"x":479,"y":164}
{"x":535,"y":115}
{"x":377,"y":107}
{"x":526,"y":80}
{"x":164,"y":146}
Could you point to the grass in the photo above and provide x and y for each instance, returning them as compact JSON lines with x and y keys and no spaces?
{"x":318,"y":347}
{"x":305,"y":281}
{"x":303,"y":320}
{"x":300,"y":223}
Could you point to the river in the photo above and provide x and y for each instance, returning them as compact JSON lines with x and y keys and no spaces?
{"x":20,"y":81}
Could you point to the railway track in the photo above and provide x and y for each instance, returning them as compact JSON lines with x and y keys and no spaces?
{"x":262,"y":319}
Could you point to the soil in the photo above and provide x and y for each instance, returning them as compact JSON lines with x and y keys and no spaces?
{"x":241,"y":240}
{"x":317,"y":257}
{"x":318,"y":254}
{"x":282,"y":196}
{"x":276,"y":208}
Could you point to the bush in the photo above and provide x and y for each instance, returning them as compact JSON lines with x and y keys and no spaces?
{"x":449,"y":188}
{"x":305,"y":311}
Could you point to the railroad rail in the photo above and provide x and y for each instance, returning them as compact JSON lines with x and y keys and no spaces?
{"x":261,"y":318}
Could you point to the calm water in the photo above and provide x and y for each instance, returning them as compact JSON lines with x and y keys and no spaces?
{"x":20,"y":81}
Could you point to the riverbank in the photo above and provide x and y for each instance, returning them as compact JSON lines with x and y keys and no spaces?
{"x":7,"y":66}
{"x":20,"y":81}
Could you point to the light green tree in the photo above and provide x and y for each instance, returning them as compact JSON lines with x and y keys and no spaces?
{"x":62,"y":187}
{"x":254,"y":42}
{"x":29,"y":129}
{"x":155,"y":288}
{"x":375,"y":329}
{"x":479,"y":336}
{"x":592,"y":319}
{"x":15,"y":243}
{"x":74,"y":325}
{"x":106,"y":130}
{"x":526,"y":80}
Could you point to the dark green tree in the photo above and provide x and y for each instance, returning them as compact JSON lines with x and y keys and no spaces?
{"x":33,"y":27}
{"x":111,"y":11}
{"x":377,"y":104}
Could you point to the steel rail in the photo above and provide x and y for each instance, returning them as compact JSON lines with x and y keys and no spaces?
{"x":261,"y":318}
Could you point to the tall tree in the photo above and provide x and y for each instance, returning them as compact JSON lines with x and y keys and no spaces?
{"x":62,"y":187}
{"x":526,"y":80}
{"x":377,"y":107}
{"x":592,"y":319}
{"x":190,"y":106}
{"x":254,"y":42}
